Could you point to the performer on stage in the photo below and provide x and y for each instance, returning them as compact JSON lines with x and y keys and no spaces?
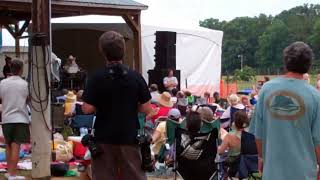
{"x":170,"y":82}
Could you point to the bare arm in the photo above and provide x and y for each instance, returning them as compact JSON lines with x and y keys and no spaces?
{"x":259,"y":147}
{"x":88,"y":108}
{"x":147,"y":109}
{"x":317,"y":149}
{"x":224,"y":146}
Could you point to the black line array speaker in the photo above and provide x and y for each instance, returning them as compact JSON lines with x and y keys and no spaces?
{"x":165,"y":58}
{"x":165,"y":50}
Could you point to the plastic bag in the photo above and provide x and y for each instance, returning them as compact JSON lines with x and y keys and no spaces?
{"x":64,"y":150}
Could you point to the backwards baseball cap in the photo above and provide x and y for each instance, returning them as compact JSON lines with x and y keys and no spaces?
{"x":174,"y":114}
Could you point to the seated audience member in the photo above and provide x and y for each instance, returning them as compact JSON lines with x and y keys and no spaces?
{"x":69,"y":105}
{"x":79,"y":102}
{"x":190,"y":98}
{"x":159,"y":135}
{"x":246,"y":102}
{"x":203,"y":100}
{"x":206,"y":114}
{"x":193,"y":122}
{"x":217,"y":99}
{"x":306,"y":77}
{"x":235,"y":105}
{"x":174,"y":98}
{"x":253,"y":100}
{"x":207,"y":97}
{"x":71,"y":67}
{"x":232,"y":142}
{"x":154,"y":93}
{"x":165,"y":105}
{"x":182,"y":103}
{"x":266,"y":79}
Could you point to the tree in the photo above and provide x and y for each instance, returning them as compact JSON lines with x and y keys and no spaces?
{"x":271,"y":44}
{"x":315,"y":41}
{"x":262,"y":39}
{"x":246,"y":74}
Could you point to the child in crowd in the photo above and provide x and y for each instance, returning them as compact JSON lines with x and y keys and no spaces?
{"x":190,"y":97}
{"x":182,"y":103}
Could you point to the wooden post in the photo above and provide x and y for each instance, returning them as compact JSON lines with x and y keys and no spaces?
{"x":138,"y":44}
{"x":17,"y":40}
{"x":134,"y":23}
{"x":40,"y":126}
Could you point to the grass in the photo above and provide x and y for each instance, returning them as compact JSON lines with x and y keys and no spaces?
{"x":248,"y":84}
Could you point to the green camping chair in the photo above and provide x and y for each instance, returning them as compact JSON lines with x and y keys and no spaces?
{"x":208,"y":126}
{"x":171,"y":127}
{"x":141,"y":118}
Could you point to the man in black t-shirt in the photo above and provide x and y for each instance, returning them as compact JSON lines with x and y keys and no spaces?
{"x":116,"y":94}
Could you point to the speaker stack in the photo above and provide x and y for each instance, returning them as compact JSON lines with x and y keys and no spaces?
{"x":165,"y":58}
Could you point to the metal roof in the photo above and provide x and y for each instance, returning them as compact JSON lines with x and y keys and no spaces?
{"x":110,"y":2}
{"x":123,"y":4}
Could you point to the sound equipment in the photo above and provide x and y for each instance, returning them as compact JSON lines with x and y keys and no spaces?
{"x":165,"y":50}
{"x":165,"y":58}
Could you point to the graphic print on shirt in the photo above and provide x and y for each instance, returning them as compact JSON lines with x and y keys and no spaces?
{"x":285,"y":105}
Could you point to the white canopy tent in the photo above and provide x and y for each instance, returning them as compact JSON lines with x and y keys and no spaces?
{"x":198,"y":56}
{"x":198,"y":53}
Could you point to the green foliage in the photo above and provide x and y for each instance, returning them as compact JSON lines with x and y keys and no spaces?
{"x":271,"y":44}
{"x":262,"y":39}
{"x":246,"y":74}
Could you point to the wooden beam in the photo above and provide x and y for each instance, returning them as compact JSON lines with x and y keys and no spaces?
{"x":137,"y":44}
{"x":131,"y":23}
{"x":23,"y":28}
{"x":11,"y":31}
{"x":7,"y":20}
{"x":17,"y":40}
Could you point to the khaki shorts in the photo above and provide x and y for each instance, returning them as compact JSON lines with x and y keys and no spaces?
{"x":18,"y":133}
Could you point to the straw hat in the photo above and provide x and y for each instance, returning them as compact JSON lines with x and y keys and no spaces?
{"x":233,"y":99}
{"x":165,"y":100}
{"x":70,"y":97}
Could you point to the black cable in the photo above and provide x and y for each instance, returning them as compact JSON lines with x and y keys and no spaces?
{"x":36,"y":97}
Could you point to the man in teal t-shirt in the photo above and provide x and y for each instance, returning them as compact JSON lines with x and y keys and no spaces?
{"x":286,"y":121}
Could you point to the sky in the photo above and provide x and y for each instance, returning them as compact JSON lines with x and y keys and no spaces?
{"x":188,"y":13}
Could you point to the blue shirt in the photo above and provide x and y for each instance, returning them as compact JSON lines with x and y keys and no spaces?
{"x":287,"y":120}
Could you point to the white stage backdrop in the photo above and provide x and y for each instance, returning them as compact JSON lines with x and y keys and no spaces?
{"x":198,"y":57}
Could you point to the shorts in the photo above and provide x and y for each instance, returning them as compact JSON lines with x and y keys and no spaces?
{"x":18,"y":133}
{"x":118,"y":162}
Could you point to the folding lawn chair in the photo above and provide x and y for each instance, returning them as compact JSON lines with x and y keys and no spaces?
{"x":209,"y":126}
{"x":246,"y":165}
{"x":82,"y":121}
{"x":195,"y":154}
{"x":171,"y":127}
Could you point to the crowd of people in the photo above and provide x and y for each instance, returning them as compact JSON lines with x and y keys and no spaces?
{"x":281,"y":114}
